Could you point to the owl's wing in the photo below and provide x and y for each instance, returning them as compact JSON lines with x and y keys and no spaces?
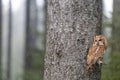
{"x":91,"y":54}
{"x":99,"y":54}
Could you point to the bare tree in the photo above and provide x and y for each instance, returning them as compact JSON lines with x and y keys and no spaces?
{"x":71,"y":25}
{"x":31,"y":24}
{"x":116,"y":26}
{"x":0,"y":32}
{"x":9,"y":41}
{"x":115,"y":51}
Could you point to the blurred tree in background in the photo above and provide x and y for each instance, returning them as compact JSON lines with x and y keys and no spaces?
{"x":0,"y":33}
{"x":111,"y":71}
{"x":34,"y":55}
{"x":23,"y":39}
{"x":106,"y":58}
{"x":29,"y":16}
{"x":115,"y":55}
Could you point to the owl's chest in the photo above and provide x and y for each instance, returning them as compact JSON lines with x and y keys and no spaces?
{"x":99,"y":51}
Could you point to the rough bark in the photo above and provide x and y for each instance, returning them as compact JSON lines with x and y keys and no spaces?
{"x":71,"y":25}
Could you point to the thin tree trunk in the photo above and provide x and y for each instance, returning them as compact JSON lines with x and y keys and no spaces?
{"x":9,"y":41}
{"x":116,"y":26}
{"x":0,"y":35}
{"x":27,"y":55}
{"x":115,"y":51}
{"x":31,"y":24}
{"x":71,"y":25}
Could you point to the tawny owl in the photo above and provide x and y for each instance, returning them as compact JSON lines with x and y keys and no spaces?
{"x":96,"y":51}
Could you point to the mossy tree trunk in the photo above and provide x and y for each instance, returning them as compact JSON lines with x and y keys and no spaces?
{"x":71,"y":25}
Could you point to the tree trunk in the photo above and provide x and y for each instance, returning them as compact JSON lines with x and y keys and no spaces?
{"x":9,"y":41}
{"x":0,"y":36}
{"x":31,"y":24}
{"x":116,"y":26}
{"x":115,"y":55}
{"x":71,"y":25}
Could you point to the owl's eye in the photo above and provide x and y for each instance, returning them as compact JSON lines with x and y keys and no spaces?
{"x":100,"y":40}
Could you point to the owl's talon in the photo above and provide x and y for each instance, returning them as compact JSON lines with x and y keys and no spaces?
{"x":100,"y":62}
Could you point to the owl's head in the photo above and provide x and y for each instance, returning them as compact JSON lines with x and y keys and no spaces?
{"x":100,"y":40}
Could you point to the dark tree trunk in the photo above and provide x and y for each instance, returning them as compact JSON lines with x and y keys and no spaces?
{"x":71,"y":25}
{"x":115,"y":56}
{"x":116,"y":26}
{"x":0,"y":34}
{"x":31,"y":24}
{"x":9,"y":41}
